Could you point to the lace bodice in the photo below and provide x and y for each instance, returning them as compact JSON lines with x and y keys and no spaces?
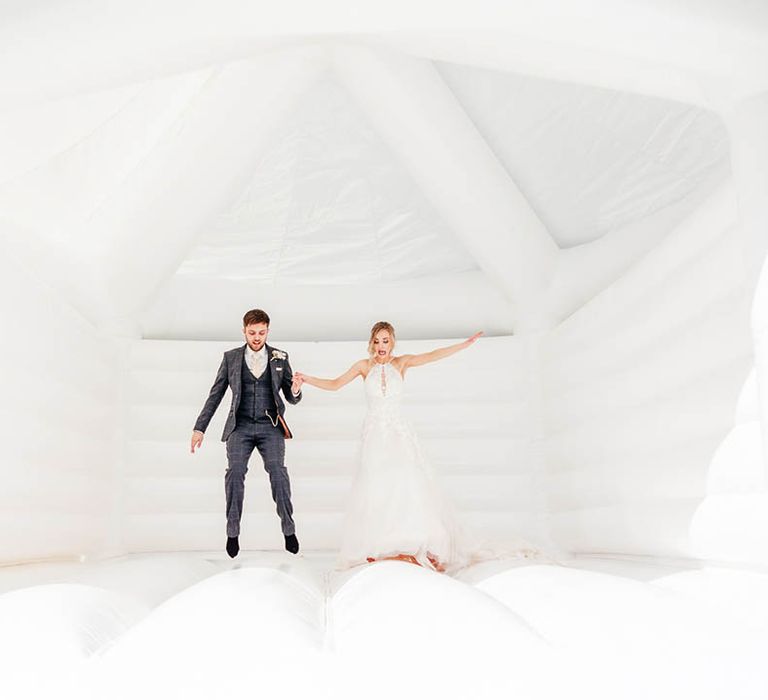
{"x":383,"y":383}
{"x":383,"y":392}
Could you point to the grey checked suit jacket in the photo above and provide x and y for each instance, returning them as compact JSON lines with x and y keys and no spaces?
{"x":230,"y":375}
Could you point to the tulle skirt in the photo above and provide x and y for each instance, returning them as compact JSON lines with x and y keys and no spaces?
{"x":396,"y":505}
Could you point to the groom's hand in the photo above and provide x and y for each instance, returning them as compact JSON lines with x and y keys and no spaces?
{"x":298,"y":380}
{"x":197,"y":440}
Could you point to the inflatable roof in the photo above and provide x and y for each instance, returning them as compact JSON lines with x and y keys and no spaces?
{"x":509,"y":161}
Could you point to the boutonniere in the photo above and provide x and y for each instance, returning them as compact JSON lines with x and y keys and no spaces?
{"x":278,"y":355}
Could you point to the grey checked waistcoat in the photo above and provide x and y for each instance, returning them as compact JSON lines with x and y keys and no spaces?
{"x":256,"y":396}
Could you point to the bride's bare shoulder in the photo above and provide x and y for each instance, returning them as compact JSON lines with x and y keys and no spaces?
{"x":400,"y":363}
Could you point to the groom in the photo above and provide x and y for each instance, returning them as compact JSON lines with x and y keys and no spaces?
{"x":255,"y":372}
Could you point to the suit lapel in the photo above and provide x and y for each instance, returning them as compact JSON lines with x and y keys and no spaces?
{"x":237,"y":373}
{"x":272,"y":370}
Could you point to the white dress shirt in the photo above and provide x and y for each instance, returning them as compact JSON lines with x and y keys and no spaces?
{"x":256,"y":361}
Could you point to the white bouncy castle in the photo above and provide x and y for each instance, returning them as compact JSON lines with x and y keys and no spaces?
{"x":586,"y":182}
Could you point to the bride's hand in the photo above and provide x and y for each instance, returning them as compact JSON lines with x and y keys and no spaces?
{"x":298,"y":380}
{"x":470,"y":341}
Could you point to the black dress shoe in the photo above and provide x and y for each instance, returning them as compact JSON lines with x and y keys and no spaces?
{"x":291,"y":543}
{"x":233,"y":546}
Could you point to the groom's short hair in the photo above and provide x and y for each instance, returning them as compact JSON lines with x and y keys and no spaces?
{"x":255,"y":316}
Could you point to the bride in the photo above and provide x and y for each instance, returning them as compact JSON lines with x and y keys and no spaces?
{"x":397,"y":509}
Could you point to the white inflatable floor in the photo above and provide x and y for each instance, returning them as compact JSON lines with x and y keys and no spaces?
{"x":268,"y":624}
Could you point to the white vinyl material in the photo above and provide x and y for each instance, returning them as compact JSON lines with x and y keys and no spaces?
{"x":198,"y":625}
{"x":536,"y":126}
{"x":58,"y":424}
{"x":328,"y":165}
{"x":643,"y":385}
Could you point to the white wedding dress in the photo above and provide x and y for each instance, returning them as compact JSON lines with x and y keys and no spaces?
{"x":396,"y":506}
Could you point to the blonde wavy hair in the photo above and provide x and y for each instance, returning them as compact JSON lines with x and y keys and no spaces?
{"x":380,"y":326}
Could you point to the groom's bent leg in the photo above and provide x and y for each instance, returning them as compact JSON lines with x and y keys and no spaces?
{"x":240,"y":445}
{"x":271,"y":445}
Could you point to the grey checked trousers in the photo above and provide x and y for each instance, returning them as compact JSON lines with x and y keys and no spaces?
{"x":270,"y":443}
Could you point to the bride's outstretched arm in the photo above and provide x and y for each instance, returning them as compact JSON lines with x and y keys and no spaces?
{"x":333,"y":384}
{"x":439,"y":353}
